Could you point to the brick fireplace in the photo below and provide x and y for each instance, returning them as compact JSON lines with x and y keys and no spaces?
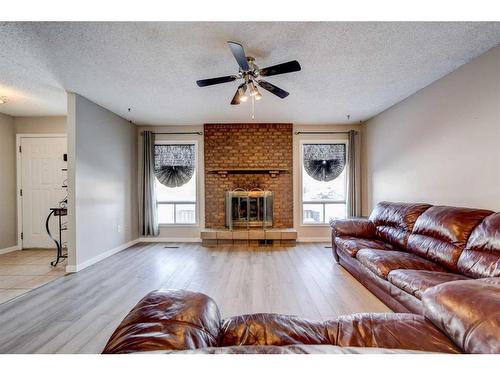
{"x":248,"y":156}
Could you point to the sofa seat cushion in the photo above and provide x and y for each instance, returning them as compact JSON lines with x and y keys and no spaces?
{"x":416,"y":282}
{"x":382,"y":262}
{"x":351,"y":245}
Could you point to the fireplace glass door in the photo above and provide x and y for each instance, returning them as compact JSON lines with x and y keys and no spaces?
{"x":249,"y":209}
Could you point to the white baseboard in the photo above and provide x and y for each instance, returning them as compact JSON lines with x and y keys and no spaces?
{"x":169,"y":239}
{"x":98,"y":258}
{"x":10,"y":249}
{"x":314,"y":239}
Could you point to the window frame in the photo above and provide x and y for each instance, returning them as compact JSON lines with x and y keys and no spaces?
{"x":301,"y":182}
{"x":197,"y":184}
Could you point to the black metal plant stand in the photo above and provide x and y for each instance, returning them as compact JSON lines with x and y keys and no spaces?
{"x":59,"y":212}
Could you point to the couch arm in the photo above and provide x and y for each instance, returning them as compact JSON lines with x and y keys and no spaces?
{"x":355,"y":227}
{"x":167,"y":320}
{"x":468,"y":312}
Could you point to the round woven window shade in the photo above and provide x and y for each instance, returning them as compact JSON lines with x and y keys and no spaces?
{"x":324,"y":162}
{"x":174,"y":164}
{"x":174,"y":176}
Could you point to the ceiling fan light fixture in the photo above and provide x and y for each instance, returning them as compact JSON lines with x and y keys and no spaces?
{"x":253,"y":89}
{"x":242,"y":89}
{"x":251,"y":73}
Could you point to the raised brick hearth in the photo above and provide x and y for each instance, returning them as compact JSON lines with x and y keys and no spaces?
{"x":248,"y":146}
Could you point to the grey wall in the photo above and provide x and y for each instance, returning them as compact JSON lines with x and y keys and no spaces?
{"x":440,"y":145}
{"x":103,"y":159}
{"x":39,"y":125}
{"x":8,"y":214}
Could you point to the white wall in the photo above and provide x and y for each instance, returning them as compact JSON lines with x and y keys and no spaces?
{"x":8,"y":214}
{"x":103,"y":182}
{"x":180,"y":232}
{"x":440,"y":145}
{"x":311,"y":232}
{"x":40,"y":125}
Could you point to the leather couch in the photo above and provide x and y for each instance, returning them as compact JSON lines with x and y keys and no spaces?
{"x":403,"y":249}
{"x":460,"y":317}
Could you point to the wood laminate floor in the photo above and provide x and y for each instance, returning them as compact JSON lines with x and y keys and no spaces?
{"x":77,"y":313}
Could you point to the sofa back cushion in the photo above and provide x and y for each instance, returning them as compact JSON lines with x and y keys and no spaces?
{"x":468,"y":312}
{"x":275,"y":329}
{"x":441,"y":232}
{"x":481,"y":256}
{"x":394,"y":221}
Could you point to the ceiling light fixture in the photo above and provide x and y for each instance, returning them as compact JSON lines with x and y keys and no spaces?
{"x":241,"y":93}
{"x":253,"y":89}
{"x":258,"y":96}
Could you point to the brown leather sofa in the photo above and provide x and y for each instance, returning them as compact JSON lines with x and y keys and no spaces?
{"x":460,"y":317}
{"x":403,"y":249}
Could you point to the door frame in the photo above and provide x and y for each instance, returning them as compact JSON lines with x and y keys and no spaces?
{"x":19,"y":136}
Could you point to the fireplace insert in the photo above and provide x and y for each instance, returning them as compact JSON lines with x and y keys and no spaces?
{"x":249,"y":208}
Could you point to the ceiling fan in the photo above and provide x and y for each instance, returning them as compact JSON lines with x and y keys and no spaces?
{"x":251,"y":74}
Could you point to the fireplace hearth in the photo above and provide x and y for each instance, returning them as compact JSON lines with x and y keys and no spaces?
{"x":249,"y":208}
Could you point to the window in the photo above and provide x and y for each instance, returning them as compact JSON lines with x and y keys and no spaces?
{"x":324,"y":182}
{"x":175,"y":177}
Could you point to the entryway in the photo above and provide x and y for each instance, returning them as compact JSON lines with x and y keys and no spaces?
{"x":41,"y":186}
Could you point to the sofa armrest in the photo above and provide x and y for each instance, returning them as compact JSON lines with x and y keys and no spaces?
{"x":167,"y":320}
{"x":355,"y":227}
{"x":468,"y":312}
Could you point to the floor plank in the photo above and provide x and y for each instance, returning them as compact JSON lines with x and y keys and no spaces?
{"x":77,"y":313}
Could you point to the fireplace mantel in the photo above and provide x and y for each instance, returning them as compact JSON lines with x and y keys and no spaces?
{"x":225,"y":172}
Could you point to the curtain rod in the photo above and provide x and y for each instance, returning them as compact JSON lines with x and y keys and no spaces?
{"x":182,"y":133}
{"x":347,"y":132}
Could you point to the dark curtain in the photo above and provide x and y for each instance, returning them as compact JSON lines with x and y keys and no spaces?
{"x":149,"y":214}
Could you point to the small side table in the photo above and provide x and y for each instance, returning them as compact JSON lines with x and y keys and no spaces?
{"x":59,"y":213}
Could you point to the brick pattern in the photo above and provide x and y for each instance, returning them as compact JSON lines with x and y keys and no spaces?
{"x":265,"y":146}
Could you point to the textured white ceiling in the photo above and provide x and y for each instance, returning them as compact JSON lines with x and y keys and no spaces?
{"x":347,"y":67}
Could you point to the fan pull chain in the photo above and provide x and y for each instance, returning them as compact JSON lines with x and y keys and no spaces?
{"x":253,"y":108}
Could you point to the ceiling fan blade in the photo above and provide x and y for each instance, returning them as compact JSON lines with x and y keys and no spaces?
{"x":215,"y":81}
{"x":288,"y":67}
{"x":236,"y":98}
{"x":273,"y":89}
{"x":239,"y":55}
{"x":237,"y":95}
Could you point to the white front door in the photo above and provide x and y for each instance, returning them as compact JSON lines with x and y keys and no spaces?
{"x":42,"y":178}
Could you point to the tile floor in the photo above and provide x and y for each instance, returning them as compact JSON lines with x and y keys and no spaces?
{"x":24,"y":270}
